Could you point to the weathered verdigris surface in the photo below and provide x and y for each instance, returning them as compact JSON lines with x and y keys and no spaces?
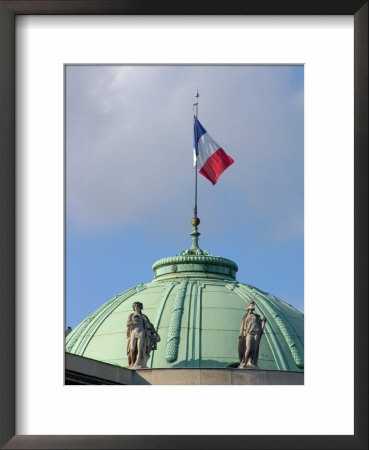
{"x":196,"y":305}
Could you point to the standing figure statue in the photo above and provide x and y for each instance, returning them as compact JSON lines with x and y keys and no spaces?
{"x":141,"y":338}
{"x":252,"y":327}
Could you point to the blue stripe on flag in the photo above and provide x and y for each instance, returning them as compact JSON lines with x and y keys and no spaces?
{"x":199,"y":130}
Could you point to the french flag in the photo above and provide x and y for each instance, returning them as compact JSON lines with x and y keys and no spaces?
{"x":211,"y":159}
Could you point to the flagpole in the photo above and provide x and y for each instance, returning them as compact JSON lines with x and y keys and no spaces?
{"x":196,"y":105}
{"x":195,"y":220}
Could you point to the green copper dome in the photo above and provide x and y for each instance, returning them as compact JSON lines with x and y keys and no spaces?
{"x":196,"y":305}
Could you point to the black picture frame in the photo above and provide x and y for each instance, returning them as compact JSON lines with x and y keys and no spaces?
{"x":8,"y":11}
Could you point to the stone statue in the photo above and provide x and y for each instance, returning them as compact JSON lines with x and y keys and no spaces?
{"x":252,"y":327}
{"x":142,"y":338}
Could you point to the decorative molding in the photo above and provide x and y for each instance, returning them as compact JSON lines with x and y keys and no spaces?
{"x":74,"y":335}
{"x":232,"y":286}
{"x":175,"y":323}
{"x":140,"y":287}
{"x":191,"y":258}
{"x":284,"y":327}
{"x":159,"y":314}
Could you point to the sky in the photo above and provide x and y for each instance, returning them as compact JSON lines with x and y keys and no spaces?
{"x":130,"y":176}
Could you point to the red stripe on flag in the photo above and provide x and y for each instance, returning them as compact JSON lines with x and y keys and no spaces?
{"x":215,"y":165}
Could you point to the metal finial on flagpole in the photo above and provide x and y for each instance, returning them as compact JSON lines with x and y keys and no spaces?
{"x":195,"y":221}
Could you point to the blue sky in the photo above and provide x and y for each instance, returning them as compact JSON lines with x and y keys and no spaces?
{"x":130,"y":178}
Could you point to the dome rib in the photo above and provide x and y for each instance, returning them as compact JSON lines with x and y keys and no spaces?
{"x":159,"y":314}
{"x":285,"y":329}
{"x":175,"y":323}
{"x":73,"y":337}
{"x":102,"y":313}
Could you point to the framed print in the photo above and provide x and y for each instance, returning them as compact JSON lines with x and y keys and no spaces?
{"x":40,"y":39}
